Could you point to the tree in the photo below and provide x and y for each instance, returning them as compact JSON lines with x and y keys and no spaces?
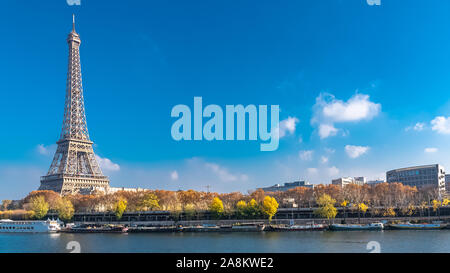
{"x":326,"y":207}
{"x":269,"y":207}
{"x":258,"y":195}
{"x":241,"y":207}
{"x":119,"y":207}
{"x":230,"y":199}
{"x":389,"y":212}
{"x":39,"y":206}
{"x":344,"y":205}
{"x":361,"y":208}
{"x":189,"y":211}
{"x":65,"y":209}
{"x":52,"y":198}
{"x":252,"y":209}
{"x":187,"y":197}
{"x":148,"y":202}
{"x":5,"y":204}
{"x":216,"y":207}
{"x":436,"y":205}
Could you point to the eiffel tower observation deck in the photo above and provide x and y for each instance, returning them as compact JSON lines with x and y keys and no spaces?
{"x":74,"y":168}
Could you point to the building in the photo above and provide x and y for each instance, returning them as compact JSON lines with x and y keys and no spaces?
{"x":116,"y":189}
{"x":419,"y":176}
{"x":360,"y":180}
{"x":74,"y":167}
{"x":375,"y":182}
{"x":447,"y":183}
{"x":342,"y":181}
{"x":288,"y":186}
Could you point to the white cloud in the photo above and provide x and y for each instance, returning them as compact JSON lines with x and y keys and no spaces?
{"x":306,"y":155}
{"x":441,"y":125}
{"x":326,"y":130}
{"x":174,"y":175}
{"x":358,"y":107}
{"x":312,"y":171}
{"x":224,"y":174}
{"x":330,"y":150}
{"x":328,"y":110}
{"x":46,"y":150}
{"x":419,"y":126}
{"x":324,"y":159}
{"x":106,"y":164}
{"x":333,"y":171}
{"x":356,"y":151}
{"x":287,"y":126}
{"x":430,"y":150}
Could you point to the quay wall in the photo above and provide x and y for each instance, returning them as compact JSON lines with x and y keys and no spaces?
{"x":283,"y":216}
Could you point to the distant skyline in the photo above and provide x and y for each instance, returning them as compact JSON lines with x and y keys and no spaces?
{"x":362,"y":89}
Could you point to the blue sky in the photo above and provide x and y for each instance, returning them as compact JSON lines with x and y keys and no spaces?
{"x":362,"y":89}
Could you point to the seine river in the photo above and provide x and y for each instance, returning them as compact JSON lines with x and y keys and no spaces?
{"x":287,"y":242}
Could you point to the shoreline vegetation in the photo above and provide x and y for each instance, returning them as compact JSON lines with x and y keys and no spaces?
{"x":387,"y":200}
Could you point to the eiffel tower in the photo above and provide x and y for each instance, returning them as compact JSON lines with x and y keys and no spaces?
{"x":74,"y":168}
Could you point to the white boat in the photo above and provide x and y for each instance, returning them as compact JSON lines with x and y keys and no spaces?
{"x":10,"y":226}
{"x":307,"y":227}
{"x":371,"y":226}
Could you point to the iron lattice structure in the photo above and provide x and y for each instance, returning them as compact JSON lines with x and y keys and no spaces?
{"x":74,"y":168}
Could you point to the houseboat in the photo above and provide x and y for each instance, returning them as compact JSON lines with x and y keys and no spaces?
{"x":10,"y":226}
{"x":371,"y":226}
{"x":96,"y":229}
{"x":307,"y":227}
{"x":423,"y":226}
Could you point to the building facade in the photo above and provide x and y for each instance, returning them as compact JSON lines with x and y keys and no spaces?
{"x":419,"y":176}
{"x":343,"y":181}
{"x":375,"y":182}
{"x":287,"y":186}
{"x":447,"y":184}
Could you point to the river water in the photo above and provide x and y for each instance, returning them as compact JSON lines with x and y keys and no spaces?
{"x":234,"y":242}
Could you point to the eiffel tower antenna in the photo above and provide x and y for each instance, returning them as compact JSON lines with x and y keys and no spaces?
{"x":74,"y":167}
{"x":73,"y":22}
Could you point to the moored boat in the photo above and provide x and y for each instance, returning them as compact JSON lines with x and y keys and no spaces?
{"x":371,"y":226}
{"x":48,"y":226}
{"x":95,"y":229}
{"x":307,"y":227}
{"x":423,"y":226}
{"x":248,"y":227}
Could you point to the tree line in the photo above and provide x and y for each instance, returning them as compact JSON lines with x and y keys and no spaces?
{"x":385,"y":197}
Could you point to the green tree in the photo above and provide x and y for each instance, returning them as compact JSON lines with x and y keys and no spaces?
{"x":269,"y":207}
{"x":326,"y":207}
{"x":119,"y":207}
{"x":216,"y":207}
{"x":39,"y":207}
{"x":149,"y":202}
{"x":65,"y":209}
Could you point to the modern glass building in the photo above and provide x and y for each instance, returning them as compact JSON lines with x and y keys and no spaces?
{"x":419,"y":176}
